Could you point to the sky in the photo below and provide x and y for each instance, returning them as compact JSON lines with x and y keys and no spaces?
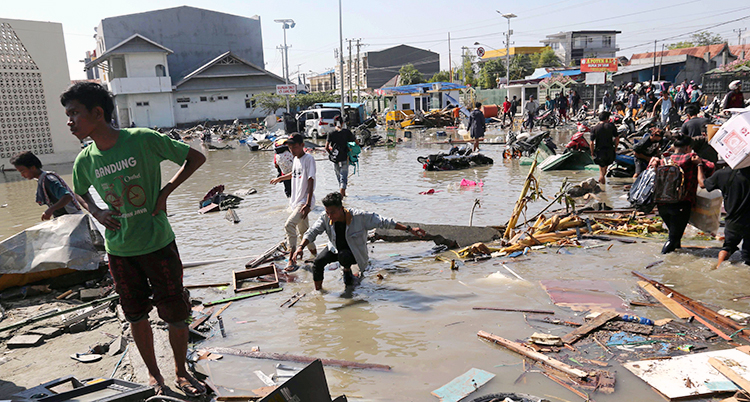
{"x":385,"y":23}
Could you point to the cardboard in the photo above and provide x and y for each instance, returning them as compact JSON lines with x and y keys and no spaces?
{"x":706,"y":211}
{"x":732,"y":141}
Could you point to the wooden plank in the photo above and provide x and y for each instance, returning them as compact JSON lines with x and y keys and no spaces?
{"x":729,"y":373}
{"x":744,"y":349}
{"x":518,"y":348}
{"x":584,"y":329}
{"x":221,"y":310}
{"x":206,"y":314}
{"x":670,"y":304}
{"x":298,"y":359}
{"x":245,"y":296}
{"x":518,"y":310}
{"x":463,"y":385}
{"x":206,"y":285}
{"x":690,"y":375}
{"x":79,"y":317}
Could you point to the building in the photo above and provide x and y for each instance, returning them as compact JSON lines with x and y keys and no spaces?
{"x":572,"y":46}
{"x":424,"y":97}
{"x":513,"y":51}
{"x":675,"y":65}
{"x":323,"y":82}
{"x":378,"y":67}
{"x":33,"y":74}
{"x":165,"y":69}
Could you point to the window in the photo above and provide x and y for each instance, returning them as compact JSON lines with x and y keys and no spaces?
{"x":203,"y":98}
{"x":141,"y":103}
{"x":405,"y":106}
{"x":183,"y":100}
{"x":249,"y":103}
{"x":607,"y":41}
{"x":161,"y":71}
{"x":184,"y":106}
{"x":330,"y":114}
{"x":222,"y":97}
{"x":554,"y":45}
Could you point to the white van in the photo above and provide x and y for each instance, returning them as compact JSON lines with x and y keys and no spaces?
{"x":319,"y":122}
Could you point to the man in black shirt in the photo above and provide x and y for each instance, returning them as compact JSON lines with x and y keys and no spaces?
{"x":735,"y":188}
{"x":337,"y":145}
{"x":695,"y":127}
{"x":648,"y":147}
{"x":604,"y":142}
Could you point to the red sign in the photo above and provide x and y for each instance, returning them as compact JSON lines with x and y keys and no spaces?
{"x":599,"y":65}
{"x":480,"y":51}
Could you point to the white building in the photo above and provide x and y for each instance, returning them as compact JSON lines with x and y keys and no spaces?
{"x":33,"y":74}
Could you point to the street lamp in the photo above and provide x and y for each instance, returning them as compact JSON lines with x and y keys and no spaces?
{"x":287,"y":23}
{"x":507,"y":46}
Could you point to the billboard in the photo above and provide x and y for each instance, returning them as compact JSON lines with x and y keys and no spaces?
{"x":608,"y":64}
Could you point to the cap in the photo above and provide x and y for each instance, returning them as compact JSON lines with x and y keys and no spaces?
{"x":734,"y":84}
{"x":296,"y":138}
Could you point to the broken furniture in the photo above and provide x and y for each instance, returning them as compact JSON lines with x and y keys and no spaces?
{"x":238,"y":277}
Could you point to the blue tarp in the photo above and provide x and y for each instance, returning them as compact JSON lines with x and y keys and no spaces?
{"x":415,"y":88}
{"x":564,"y":72}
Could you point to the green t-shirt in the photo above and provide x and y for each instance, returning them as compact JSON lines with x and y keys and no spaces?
{"x":128,"y":178}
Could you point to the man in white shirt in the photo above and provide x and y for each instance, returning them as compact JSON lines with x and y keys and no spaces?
{"x":302,"y":199}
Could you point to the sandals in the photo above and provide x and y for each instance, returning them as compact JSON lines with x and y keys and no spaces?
{"x":291,"y":268}
{"x":191,"y":387}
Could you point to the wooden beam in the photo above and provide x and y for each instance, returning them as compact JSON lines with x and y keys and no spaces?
{"x":729,"y":373}
{"x":519,"y":310}
{"x":668,"y":303}
{"x":206,"y":315}
{"x":520,"y":349}
{"x":298,"y":359}
{"x":584,"y":329}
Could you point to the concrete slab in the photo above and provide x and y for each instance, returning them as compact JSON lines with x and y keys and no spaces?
{"x":118,"y":346}
{"x":24,"y":341}
{"x":453,"y":236}
{"x":91,"y":294}
{"x":77,"y":327}
{"x":47,"y":332}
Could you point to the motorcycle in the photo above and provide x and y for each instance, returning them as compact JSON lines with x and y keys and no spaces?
{"x":583,"y":112}
{"x":548,"y":119}
{"x":363,"y":134}
{"x":578,"y":140}
{"x":456,"y":159}
{"x":517,"y":148}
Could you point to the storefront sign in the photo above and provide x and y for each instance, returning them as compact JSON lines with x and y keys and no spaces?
{"x":599,"y":65}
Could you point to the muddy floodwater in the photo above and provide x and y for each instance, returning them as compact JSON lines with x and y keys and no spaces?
{"x":419,"y":318}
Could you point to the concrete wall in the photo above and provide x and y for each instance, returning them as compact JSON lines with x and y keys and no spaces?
{"x":39,"y":120}
{"x":197,"y":110}
{"x":146,"y":109}
{"x":195,"y":35}
{"x":144,"y":64}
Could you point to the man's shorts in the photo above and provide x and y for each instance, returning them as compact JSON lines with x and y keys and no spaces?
{"x":153,"y":279}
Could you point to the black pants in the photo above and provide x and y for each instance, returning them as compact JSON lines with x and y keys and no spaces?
{"x":325,"y":257}
{"x":734,"y":233}
{"x":676,"y":217}
{"x":509,"y":116}
{"x":287,"y":184}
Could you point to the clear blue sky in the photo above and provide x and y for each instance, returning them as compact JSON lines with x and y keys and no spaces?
{"x":423,"y":24}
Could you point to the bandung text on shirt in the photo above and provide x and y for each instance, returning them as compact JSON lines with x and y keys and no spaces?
{"x":115,"y":167}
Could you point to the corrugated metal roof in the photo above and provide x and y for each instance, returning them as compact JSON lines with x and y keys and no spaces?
{"x":697,"y":51}
{"x":563,"y":72}
{"x":414,"y":88}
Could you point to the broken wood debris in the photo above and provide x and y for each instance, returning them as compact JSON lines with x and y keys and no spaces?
{"x":518,"y":310}
{"x":584,"y":330}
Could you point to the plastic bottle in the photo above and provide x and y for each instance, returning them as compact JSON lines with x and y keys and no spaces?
{"x":637,"y":320}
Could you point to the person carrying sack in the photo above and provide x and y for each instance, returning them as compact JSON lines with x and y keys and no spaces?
{"x":675,"y":185}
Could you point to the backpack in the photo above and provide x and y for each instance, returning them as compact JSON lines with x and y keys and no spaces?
{"x":669,"y":184}
{"x":641,"y":195}
{"x":353,"y":154}
{"x":680,"y":97}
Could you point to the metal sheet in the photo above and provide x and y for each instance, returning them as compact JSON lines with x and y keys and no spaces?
{"x":463,"y":385}
{"x":584,"y":295}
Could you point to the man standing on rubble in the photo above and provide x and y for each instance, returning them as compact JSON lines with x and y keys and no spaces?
{"x":337,"y":145}
{"x":477,"y":125}
{"x":124,"y":168}
{"x":302,"y":199}
{"x":347,"y":234}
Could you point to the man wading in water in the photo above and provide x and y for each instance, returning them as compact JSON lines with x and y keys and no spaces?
{"x":347,"y":235}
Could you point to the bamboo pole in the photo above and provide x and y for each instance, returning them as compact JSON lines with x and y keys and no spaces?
{"x":298,"y":359}
{"x":520,"y":203}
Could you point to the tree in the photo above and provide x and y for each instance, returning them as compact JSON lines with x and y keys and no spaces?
{"x":410,"y":75}
{"x":703,"y":38}
{"x":520,"y":67}
{"x":467,"y":73}
{"x":547,"y":58}
{"x":489,"y":73}
{"x":441,"y":76}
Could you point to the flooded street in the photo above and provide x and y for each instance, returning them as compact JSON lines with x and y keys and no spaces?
{"x":419,"y":318}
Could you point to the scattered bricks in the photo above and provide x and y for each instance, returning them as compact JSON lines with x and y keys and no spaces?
{"x":24,"y":341}
{"x":47,"y":332}
{"x":118,"y":346}
{"x":77,"y":327}
{"x":91,"y":294}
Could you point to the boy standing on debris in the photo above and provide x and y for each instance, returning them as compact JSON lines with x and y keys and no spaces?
{"x":735,"y":188}
{"x":123,"y":166}
{"x":337,"y":145}
{"x":302,"y":199}
{"x":347,"y":234}
{"x":51,"y":189}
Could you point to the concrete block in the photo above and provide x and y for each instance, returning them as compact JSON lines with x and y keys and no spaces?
{"x":47,"y":332}
{"x":24,"y":341}
{"x":77,"y":327}
{"x":118,"y":346}
{"x":91,"y":294}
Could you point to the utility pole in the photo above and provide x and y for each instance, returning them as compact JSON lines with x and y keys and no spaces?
{"x":739,"y":34}
{"x":349,"y":70}
{"x":653,"y":69}
{"x":358,"y":64}
{"x":464,"y":55}
{"x":507,"y":16}
{"x":450,"y":65}
{"x":660,"y":60}
{"x":341,"y":59}
{"x":286,"y":24}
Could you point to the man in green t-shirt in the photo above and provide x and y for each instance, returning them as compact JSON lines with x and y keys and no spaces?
{"x":123,"y":166}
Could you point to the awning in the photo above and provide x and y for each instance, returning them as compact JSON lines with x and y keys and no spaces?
{"x":562,"y":72}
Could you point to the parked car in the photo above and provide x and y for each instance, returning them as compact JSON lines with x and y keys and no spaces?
{"x":319,"y":122}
